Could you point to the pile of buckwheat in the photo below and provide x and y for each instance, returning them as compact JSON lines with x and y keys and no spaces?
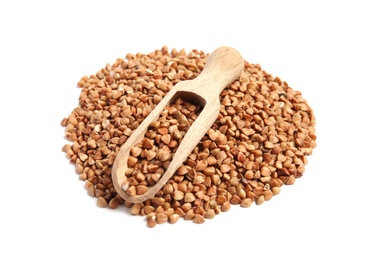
{"x":258,"y":143}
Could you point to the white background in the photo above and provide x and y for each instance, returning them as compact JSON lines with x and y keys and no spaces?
{"x":325,"y":49}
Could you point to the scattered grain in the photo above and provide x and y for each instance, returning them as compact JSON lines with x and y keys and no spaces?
{"x":198,"y":219}
{"x":259,"y":142}
{"x":101,"y":202}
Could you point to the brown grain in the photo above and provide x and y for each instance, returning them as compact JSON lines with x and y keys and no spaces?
{"x":259,"y":142}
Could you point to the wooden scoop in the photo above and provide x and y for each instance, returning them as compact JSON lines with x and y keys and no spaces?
{"x":223,"y":66}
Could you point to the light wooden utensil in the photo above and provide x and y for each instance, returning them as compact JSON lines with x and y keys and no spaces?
{"x":223,"y":66}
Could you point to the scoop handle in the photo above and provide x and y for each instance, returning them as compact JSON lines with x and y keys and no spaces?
{"x":223,"y":66}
